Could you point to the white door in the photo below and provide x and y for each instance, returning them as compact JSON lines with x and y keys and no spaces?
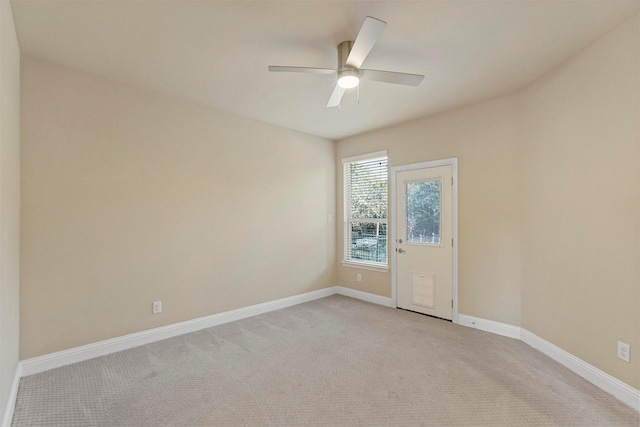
{"x":424,"y":240}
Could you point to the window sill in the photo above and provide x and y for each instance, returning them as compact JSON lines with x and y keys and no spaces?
{"x":366,"y":266}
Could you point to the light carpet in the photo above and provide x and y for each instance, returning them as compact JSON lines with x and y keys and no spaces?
{"x":335,"y":361}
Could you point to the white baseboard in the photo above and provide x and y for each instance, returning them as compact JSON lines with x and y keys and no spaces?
{"x":13,"y":394}
{"x":364,"y":296}
{"x":78,"y":354}
{"x":620,"y":390}
{"x":606,"y":382}
{"x":494,"y":327}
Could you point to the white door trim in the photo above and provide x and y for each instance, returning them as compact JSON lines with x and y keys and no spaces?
{"x":453,"y":162}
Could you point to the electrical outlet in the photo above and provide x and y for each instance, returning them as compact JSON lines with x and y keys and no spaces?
{"x":359,"y":277}
{"x":157,"y":307}
{"x":623,"y":351}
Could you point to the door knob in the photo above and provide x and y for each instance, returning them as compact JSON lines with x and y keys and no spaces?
{"x":400,"y":250}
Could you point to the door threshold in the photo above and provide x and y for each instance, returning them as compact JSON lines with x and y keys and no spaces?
{"x":424,"y":314}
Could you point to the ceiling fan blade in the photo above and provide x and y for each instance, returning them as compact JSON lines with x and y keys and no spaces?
{"x":367,"y":37}
{"x":392,"y":77}
{"x":336,"y":96}
{"x":285,"y":69}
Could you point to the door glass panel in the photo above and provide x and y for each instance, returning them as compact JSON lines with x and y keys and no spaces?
{"x":423,"y":211}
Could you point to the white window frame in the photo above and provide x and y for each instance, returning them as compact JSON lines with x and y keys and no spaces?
{"x":366,"y":265}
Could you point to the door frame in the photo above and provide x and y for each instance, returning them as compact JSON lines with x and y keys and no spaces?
{"x":453,"y":162}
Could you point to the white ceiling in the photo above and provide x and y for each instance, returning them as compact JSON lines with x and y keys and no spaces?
{"x":217,"y":52}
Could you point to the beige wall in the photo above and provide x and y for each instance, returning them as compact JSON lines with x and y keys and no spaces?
{"x":131,"y":197}
{"x":484,"y":138}
{"x":581,"y":204}
{"x":549,"y":202}
{"x":9,"y":201}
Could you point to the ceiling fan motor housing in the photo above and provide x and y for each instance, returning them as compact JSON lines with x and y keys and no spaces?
{"x":351,"y":56}
{"x":348,"y":75}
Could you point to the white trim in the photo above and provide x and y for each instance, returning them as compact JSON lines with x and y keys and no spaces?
{"x":494,"y":327}
{"x":364,"y":296}
{"x":620,"y":390}
{"x":366,"y":266}
{"x":11,"y":400}
{"x":623,"y":392}
{"x":78,"y":354}
{"x":454,"y":232}
{"x":368,"y":156}
{"x":346,"y":202}
{"x":453,"y":162}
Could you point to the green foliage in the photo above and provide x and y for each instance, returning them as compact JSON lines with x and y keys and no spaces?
{"x":368,"y":189}
{"x":368,"y":192}
{"x":423,"y":208}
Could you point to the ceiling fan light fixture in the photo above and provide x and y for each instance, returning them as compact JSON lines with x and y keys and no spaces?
{"x":351,"y":56}
{"x":348,"y":79}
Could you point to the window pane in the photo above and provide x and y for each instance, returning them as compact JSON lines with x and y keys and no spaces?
{"x":423,"y":211}
{"x":368,"y":189}
{"x":369,"y":241}
{"x":365,"y":190}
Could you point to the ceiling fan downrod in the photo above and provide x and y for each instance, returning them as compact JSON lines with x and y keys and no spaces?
{"x":351,"y":55}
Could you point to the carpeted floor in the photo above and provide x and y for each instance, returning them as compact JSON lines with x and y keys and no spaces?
{"x":331,"y":362}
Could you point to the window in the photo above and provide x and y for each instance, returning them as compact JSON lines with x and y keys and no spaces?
{"x":423,"y":211}
{"x":365,"y":209}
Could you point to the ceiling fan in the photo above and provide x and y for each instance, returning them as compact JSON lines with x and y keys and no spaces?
{"x":351,"y":55}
